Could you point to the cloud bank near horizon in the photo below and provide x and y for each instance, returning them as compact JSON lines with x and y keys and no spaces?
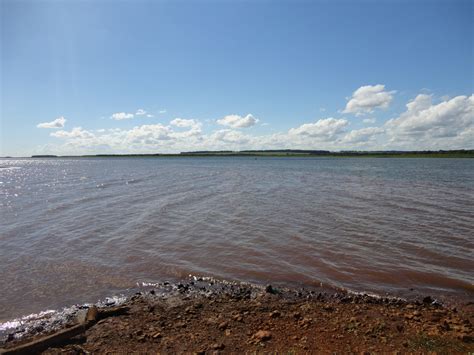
{"x":425,"y":124}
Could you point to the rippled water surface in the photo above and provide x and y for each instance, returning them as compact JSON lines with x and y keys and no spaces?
{"x":75,"y":230}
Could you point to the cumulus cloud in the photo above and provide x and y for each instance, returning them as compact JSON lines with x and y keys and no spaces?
{"x":424,"y":120}
{"x":324,"y":129}
{"x":194,"y":128}
{"x":145,"y":134}
{"x":369,"y":120}
{"x":76,"y":132}
{"x":230,"y":136}
{"x":162,"y":111}
{"x":236,"y":121}
{"x":57,"y":123}
{"x":367,"y":98}
{"x":182,"y":122}
{"x":425,"y":124}
{"x":119,"y":116}
{"x":363,"y":135}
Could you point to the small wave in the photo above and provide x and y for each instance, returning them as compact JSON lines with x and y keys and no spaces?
{"x":10,"y":167}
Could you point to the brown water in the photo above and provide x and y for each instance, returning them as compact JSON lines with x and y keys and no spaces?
{"x":76,"y":230}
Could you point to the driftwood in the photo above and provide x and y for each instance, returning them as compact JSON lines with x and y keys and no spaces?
{"x":92,"y":316}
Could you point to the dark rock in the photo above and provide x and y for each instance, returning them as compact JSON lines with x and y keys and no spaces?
{"x":428,"y":300}
{"x":296,"y":315}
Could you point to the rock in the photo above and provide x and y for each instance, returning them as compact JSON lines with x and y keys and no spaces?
{"x":328,"y":308}
{"x":296,"y":315}
{"x":223,"y":325}
{"x":466,"y":338}
{"x":92,"y":314}
{"x":262,"y":335}
{"x":270,"y":289}
{"x":445,"y":326}
{"x":180,"y":325}
{"x":81,"y":316}
{"x":237,"y":317}
{"x":275,"y":314}
{"x":217,"y":346}
{"x":428,"y":300}
{"x":306,"y":321}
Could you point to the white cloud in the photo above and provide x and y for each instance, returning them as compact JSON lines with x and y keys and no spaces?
{"x":76,"y":132}
{"x":119,"y":116}
{"x":182,"y":122}
{"x":424,"y":122}
{"x":230,"y":136}
{"x":369,"y":120}
{"x":236,"y":121}
{"x":57,"y":123}
{"x":363,"y":135}
{"x":324,"y":129}
{"x":142,"y":112}
{"x":145,"y":134}
{"x":194,"y":128}
{"x":162,"y":111}
{"x":424,"y":125}
{"x":367,"y":98}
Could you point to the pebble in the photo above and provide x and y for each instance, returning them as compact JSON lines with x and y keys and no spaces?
{"x":263,"y":335}
{"x":218,"y":346}
{"x":275,"y":314}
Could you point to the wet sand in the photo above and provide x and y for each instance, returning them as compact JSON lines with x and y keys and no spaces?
{"x":205,"y":316}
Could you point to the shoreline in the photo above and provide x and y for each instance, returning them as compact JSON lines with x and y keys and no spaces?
{"x":204,"y":315}
{"x":301,"y":153}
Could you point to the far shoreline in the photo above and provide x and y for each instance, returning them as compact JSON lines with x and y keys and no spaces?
{"x":291,"y":153}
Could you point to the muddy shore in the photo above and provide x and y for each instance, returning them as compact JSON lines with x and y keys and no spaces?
{"x":204,"y":316}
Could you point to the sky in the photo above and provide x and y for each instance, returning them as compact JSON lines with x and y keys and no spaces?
{"x":89,"y":77}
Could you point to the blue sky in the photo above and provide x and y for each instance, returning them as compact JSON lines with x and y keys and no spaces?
{"x":164,"y":76}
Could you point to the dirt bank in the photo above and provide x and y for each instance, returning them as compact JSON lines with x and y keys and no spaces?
{"x":202,"y":317}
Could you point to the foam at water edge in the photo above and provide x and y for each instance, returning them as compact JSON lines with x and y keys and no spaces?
{"x":49,"y":320}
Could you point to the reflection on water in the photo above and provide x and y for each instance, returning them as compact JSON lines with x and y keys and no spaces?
{"x":74,"y":230}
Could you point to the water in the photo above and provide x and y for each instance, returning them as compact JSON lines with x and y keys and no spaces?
{"x":76,"y":230}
